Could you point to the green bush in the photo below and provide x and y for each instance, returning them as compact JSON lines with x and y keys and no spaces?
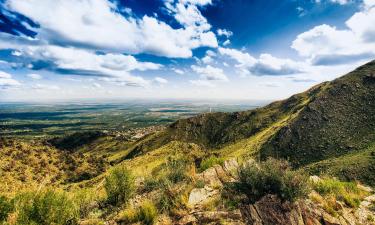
{"x":176,"y":170}
{"x":45,"y":207}
{"x":270,"y":177}
{"x":119,"y":185}
{"x":6,"y":207}
{"x":147,"y":213}
{"x":209,"y":162}
{"x":347,"y":192}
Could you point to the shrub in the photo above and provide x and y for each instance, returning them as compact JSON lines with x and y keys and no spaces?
{"x":347,"y":192}
{"x":119,"y":185}
{"x":147,"y":213}
{"x":209,"y":162}
{"x":176,"y":170}
{"x":129,"y":216}
{"x":6,"y":207}
{"x":270,"y":177}
{"x":45,"y":208}
{"x":86,"y":200}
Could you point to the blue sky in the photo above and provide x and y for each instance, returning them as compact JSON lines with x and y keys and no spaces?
{"x":183,"y":49}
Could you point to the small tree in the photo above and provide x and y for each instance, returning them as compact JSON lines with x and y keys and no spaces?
{"x":119,"y":185}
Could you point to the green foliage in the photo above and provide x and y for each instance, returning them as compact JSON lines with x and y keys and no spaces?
{"x":270,"y":177}
{"x":347,"y":192}
{"x":86,"y":200}
{"x":6,"y":206}
{"x":45,"y":207}
{"x":146,"y":213}
{"x":211,"y":161}
{"x":176,"y":169}
{"x":119,"y":185}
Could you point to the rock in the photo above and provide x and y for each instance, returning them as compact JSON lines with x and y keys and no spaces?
{"x":201,"y":195}
{"x":330,"y":220}
{"x":250,"y":213}
{"x":211,"y":178}
{"x":230,"y":167}
{"x":271,"y":210}
{"x":223,"y":177}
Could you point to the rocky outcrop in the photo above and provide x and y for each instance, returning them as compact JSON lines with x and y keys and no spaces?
{"x":269,"y":210}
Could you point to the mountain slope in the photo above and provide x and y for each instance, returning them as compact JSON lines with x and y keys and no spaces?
{"x":338,"y":120}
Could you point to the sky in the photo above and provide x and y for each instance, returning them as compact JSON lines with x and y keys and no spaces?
{"x":52,"y":50}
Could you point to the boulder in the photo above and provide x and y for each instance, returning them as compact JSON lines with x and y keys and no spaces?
{"x":211,"y":178}
{"x":201,"y":195}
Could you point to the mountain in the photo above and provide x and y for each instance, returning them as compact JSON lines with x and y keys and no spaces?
{"x":332,"y":120}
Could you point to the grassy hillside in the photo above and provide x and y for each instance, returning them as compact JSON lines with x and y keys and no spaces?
{"x":339,"y":119}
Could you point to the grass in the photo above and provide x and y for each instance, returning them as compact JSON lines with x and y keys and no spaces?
{"x":359,"y":165}
{"x":346,"y":192}
{"x":210,"y":161}
{"x":146,"y":214}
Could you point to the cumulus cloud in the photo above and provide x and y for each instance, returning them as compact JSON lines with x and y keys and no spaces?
{"x":266,"y":64}
{"x":34,"y":76}
{"x":6,"y":80}
{"x":83,"y":62}
{"x":97,"y":25}
{"x":327,"y":45}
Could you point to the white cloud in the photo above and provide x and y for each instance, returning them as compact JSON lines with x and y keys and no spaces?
{"x":266,"y":64}
{"x":210,"y":73}
{"x":87,"y":63}
{"x":34,"y":76}
{"x":325,"y":44}
{"x":227,"y":42}
{"x":98,"y":26}
{"x":224,"y":32}
{"x":369,"y":3}
{"x":4,"y":75}
{"x":202,"y":83}
{"x":97,"y":85}
{"x":341,"y":2}
{"x":178,"y":71}
{"x":45,"y":87}
{"x":207,"y":59}
{"x":197,"y":2}
{"x":160,"y":80}
{"x":6,"y":80}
